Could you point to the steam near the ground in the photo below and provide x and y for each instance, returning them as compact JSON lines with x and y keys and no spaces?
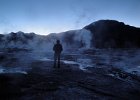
{"x":84,"y":36}
{"x":70,"y":40}
{"x":74,"y":41}
{"x":126,"y":60}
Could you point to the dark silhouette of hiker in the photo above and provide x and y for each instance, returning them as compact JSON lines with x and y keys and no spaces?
{"x":57,"y":48}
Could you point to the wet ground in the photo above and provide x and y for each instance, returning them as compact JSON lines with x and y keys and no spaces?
{"x":87,"y":76}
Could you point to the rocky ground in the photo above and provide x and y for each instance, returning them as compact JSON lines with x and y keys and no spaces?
{"x":43,"y":82}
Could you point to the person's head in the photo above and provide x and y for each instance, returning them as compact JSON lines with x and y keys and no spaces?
{"x":58,"y":41}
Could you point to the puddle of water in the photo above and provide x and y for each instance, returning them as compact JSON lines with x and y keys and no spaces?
{"x":82,"y":63}
{"x":1,"y":70}
{"x":45,"y":59}
{"x":69,"y":62}
{"x":138,"y":67}
{"x":10,"y":70}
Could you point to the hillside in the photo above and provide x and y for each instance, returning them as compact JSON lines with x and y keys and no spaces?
{"x":113,"y":34}
{"x":99,"y":34}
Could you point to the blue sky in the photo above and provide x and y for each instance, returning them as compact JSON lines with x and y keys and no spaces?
{"x":50,"y":16}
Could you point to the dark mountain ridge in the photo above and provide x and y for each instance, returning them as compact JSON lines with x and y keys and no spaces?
{"x":113,"y":34}
{"x":99,"y":34}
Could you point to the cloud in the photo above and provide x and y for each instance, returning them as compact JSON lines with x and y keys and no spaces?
{"x":84,"y":16}
{"x":84,"y":11}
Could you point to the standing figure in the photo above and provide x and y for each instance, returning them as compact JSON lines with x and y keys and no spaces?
{"x":57,"y":48}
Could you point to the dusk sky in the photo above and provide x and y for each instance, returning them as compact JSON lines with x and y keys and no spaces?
{"x":54,"y":16}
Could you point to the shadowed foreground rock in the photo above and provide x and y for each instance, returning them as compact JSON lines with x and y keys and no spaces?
{"x":69,"y":83}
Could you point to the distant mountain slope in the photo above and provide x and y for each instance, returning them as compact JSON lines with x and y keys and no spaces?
{"x":100,"y":34}
{"x":114,"y":34}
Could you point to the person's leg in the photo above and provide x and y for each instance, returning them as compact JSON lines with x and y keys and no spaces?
{"x":58,"y":60}
{"x":55,"y":59}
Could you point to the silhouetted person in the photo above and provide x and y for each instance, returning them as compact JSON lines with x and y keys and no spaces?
{"x":57,"y":48}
